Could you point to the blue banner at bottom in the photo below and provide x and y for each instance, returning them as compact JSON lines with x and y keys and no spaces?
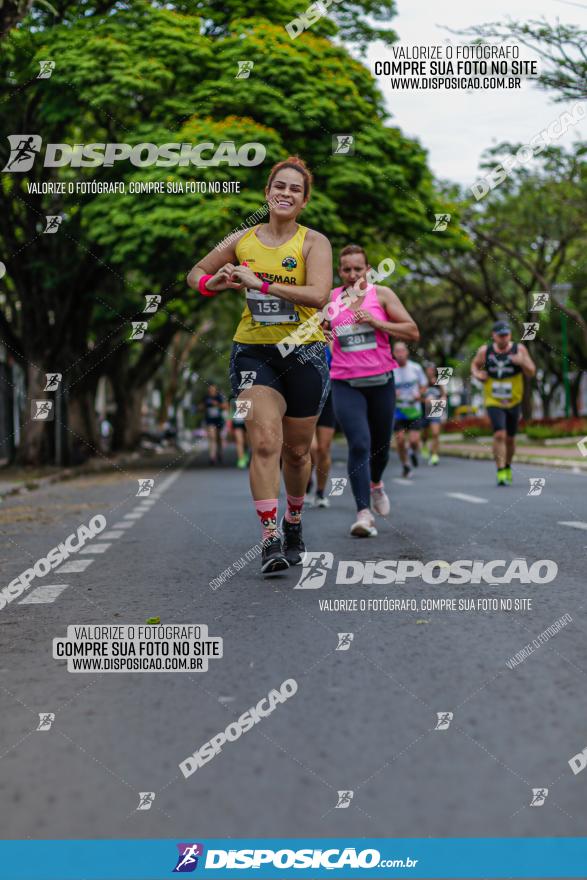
{"x":274,"y":859}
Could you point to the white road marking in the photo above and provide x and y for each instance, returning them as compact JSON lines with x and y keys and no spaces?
{"x":123,"y":525}
{"x":96,"y":548}
{"x":574,"y":525}
{"x":74,"y":565}
{"x":402,"y":482}
{"x":44,"y":594}
{"x":472,"y":499}
{"x":110,"y":536}
{"x":133,"y":515}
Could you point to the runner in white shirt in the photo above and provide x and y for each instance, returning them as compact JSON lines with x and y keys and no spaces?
{"x":410,"y":385}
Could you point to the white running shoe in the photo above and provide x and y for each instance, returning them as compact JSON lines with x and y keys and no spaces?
{"x":321,"y":502}
{"x":380,"y":501}
{"x":364,"y":527}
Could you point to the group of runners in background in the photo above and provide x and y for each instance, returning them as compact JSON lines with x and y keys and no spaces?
{"x":350,"y":368}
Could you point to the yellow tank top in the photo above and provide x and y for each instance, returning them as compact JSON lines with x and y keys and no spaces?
{"x":504,"y":386}
{"x":266,"y":319}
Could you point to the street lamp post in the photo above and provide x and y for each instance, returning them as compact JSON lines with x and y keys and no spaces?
{"x":560,"y":293}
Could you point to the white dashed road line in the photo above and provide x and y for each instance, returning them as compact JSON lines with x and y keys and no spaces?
{"x":42,"y":595}
{"x":574,"y":525}
{"x":95,"y":548}
{"x":74,"y":565}
{"x":472,"y":499}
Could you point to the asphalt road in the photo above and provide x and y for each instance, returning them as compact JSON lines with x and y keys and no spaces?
{"x":362,"y":720}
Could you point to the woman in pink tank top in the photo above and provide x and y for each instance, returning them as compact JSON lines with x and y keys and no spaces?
{"x":363,"y":391}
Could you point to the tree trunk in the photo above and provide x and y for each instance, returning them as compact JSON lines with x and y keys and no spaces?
{"x":127,"y":418}
{"x":32,"y":449}
{"x":84,"y":433}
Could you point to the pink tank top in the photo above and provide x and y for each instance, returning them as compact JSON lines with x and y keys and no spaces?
{"x":359,"y":349}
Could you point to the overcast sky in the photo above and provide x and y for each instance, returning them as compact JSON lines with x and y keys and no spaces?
{"x":454,"y":126}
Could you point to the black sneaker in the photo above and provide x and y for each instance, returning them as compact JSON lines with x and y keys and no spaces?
{"x":414,"y":458}
{"x":293,"y":543}
{"x":407,"y":472}
{"x":273,"y":560}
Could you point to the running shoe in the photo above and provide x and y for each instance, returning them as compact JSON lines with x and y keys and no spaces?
{"x":414,"y":458}
{"x":425,"y":452}
{"x":242,"y":462}
{"x":502,"y":479}
{"x":293,"y":543}
{"x":380,"y":501}
{"x":364,"y":527}
{"x":407,"y":472}
{"x":321,"y":501}
{"x":508,"y":474}
{"x":434,"y":459}
{"x":273,"y":560}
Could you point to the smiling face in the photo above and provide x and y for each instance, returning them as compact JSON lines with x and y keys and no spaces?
{"x":351,"y":268}
{"x":286,"y":194}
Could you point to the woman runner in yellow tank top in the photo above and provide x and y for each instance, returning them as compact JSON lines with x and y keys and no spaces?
{"x":284,"y":271}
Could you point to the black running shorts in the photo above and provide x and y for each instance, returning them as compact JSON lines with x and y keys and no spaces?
{"x":301,"y":377}
{"x":505,"y":419}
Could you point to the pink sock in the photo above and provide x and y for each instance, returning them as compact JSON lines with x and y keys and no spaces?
{"x":267,"y":513}
{"x":378,"y":485}
{"x":293,"y":514}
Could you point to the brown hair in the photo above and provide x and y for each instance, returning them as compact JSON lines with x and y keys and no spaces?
{"x":352,"y":249}
{"x":298,"y":165}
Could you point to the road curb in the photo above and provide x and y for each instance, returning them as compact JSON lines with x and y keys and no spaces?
{"x":70,"y":473}
{"x":520,"y":458}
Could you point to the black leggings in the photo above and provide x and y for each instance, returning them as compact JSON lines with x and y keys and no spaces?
{"x":366,"y":418}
